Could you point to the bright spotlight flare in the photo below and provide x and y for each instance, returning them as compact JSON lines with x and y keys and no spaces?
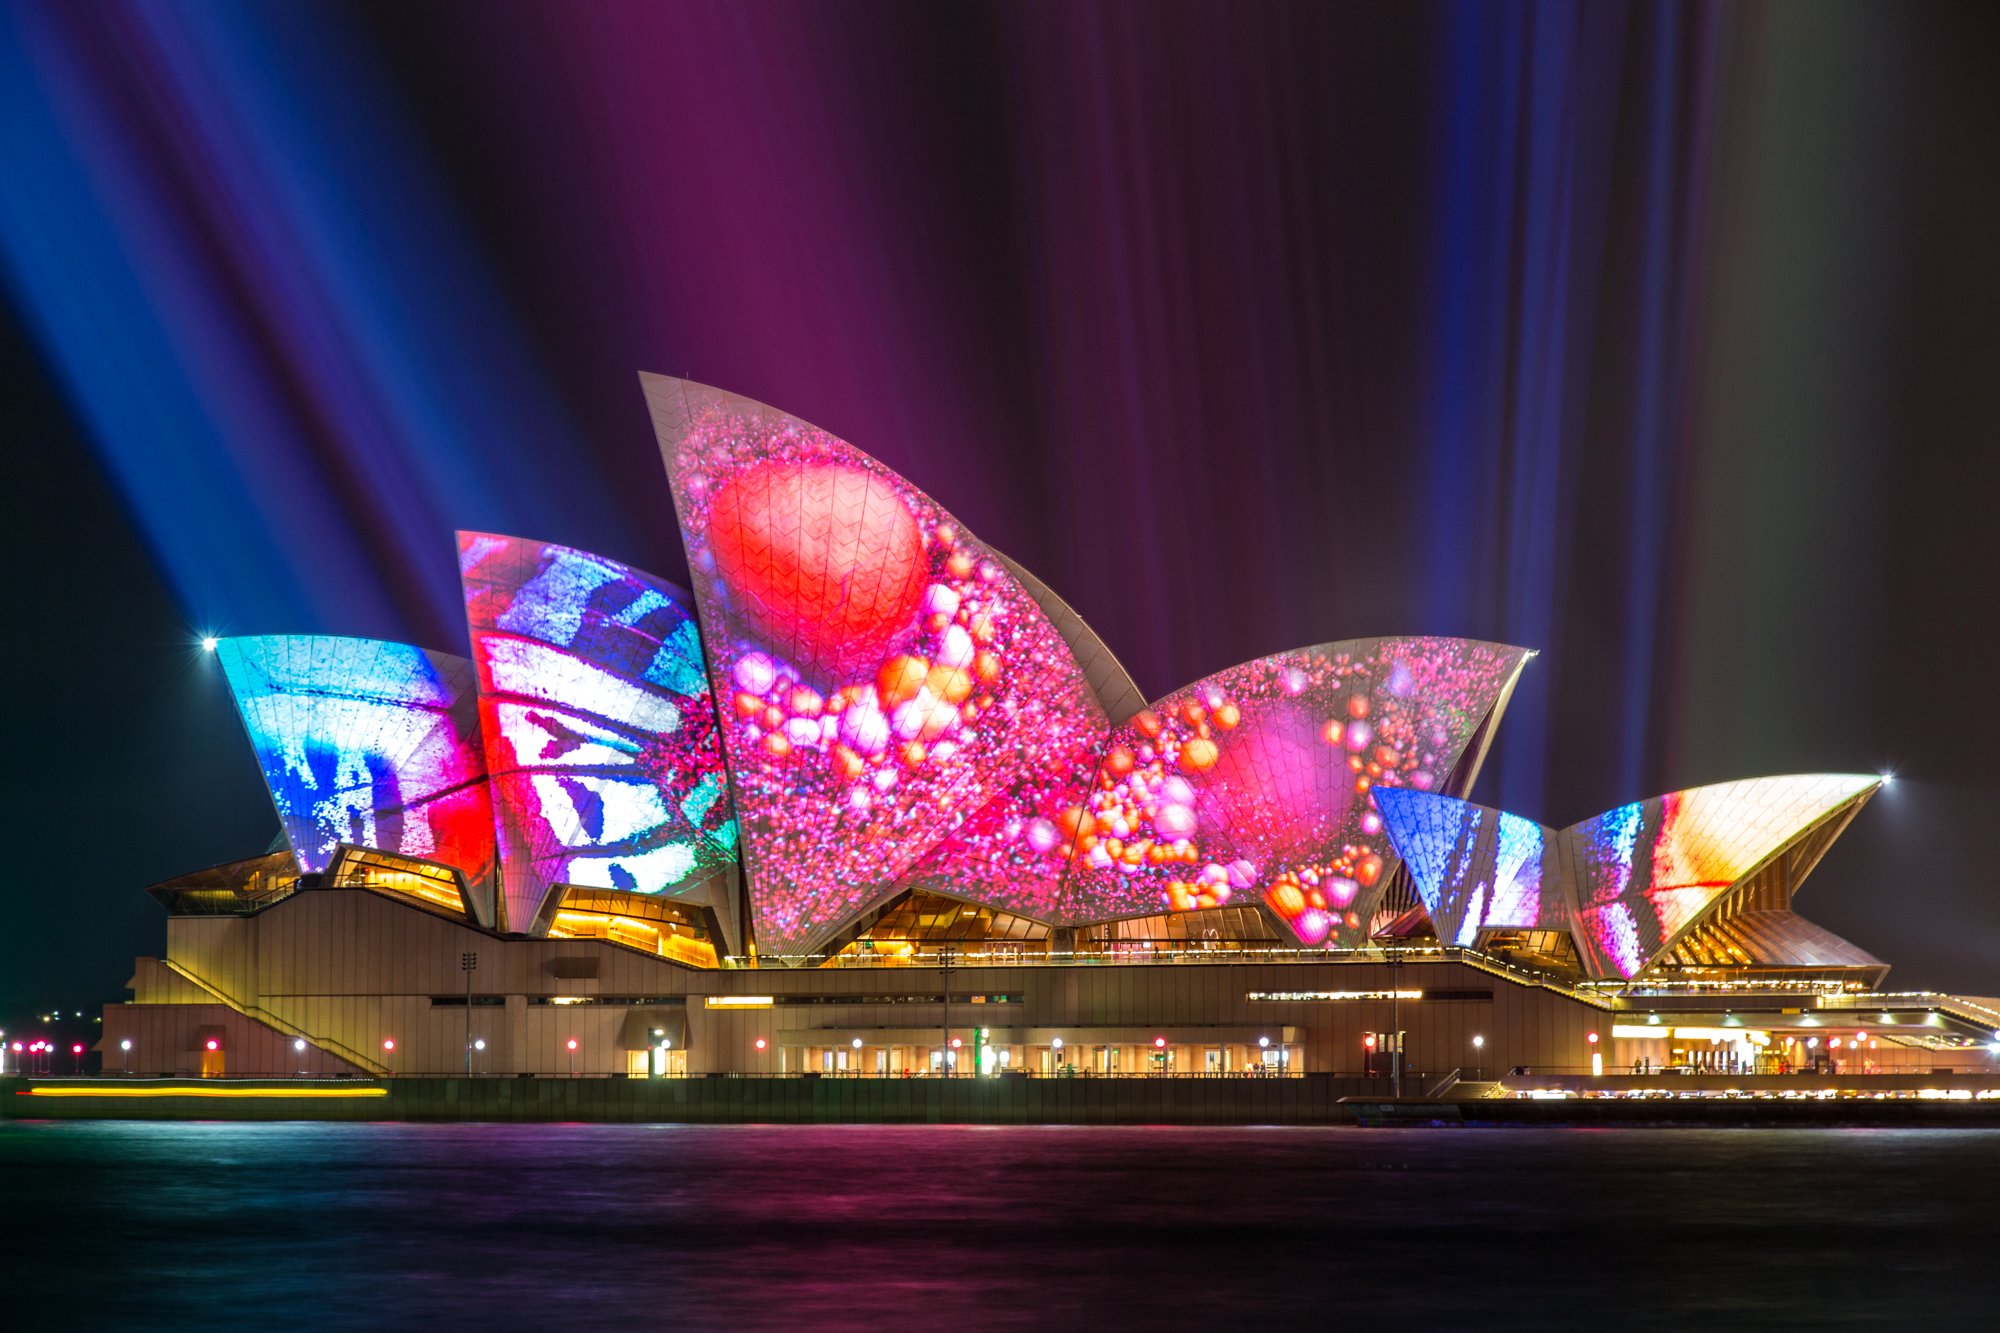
{"x":208,"y":642}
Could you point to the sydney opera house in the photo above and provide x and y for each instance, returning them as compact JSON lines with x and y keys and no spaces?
{"x":871,"y":800}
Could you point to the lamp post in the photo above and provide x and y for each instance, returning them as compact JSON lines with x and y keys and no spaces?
{"x":571,"y":1043}
{"x":944,"y":962}
{"x":125,"y":1056}
{"x":299,"y":1050}
{"x":468,"y":963}
{"x":1479,"y":1056}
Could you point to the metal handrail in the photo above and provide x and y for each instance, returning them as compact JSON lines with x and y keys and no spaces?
{"x":259,"y":1014}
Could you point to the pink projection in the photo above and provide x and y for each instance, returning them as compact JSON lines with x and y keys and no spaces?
{"x":882,"y":675}
{"x":1256,"y":782}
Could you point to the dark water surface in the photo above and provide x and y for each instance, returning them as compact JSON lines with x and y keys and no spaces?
{"x":561,"y":1226}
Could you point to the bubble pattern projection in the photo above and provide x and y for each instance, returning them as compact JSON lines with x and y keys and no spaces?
{"x":602,"y":747}
{"x":1474,"y":868}
{"x":882,"y":676}
{"x":1259,"y":782}
{"x":368,"y":743}
{"x":1010,"y":851}
{"x":1644,"y":872}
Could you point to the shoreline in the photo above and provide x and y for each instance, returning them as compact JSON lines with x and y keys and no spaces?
{"x":754,"y":1100}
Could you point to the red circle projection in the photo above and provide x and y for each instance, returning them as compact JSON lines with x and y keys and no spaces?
{"x":827,"y":558}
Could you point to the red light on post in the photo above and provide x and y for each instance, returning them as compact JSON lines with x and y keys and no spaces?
{"x":1159,"y":1043}
{"x":761,"y":1043}
{"x":572,"y":1043}
{"x":388,"y":1043}
{"x":1369,"y":1041}
{"x":1591,"y":1038}
{"x":956,"y":1043}
{"x":214,"y":1045}
{"x":76,"y":1049}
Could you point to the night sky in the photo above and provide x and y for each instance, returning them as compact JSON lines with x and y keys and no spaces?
{"x":1663,"y":339}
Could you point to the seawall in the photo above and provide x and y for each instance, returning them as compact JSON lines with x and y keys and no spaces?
{"x":751,"y":1100}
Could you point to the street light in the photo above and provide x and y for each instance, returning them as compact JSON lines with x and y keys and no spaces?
{"x":125,"y":1056}
{"x":572,"y":1056}
{"x":468,"y":963}
{"x":1479,"y":1053}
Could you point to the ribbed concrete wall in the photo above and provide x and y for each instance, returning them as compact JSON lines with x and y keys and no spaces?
{"x":354,"y":969}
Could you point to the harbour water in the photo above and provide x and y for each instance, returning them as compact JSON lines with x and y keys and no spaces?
{"x":288,"y":1225}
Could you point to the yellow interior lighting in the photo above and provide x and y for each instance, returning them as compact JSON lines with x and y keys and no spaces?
{"x":199,"y":1091}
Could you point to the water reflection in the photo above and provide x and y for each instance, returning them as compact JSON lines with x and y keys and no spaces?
{"x":289,"y":1225}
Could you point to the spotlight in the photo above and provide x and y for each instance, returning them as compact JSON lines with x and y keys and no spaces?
{"x":208,"y":643}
